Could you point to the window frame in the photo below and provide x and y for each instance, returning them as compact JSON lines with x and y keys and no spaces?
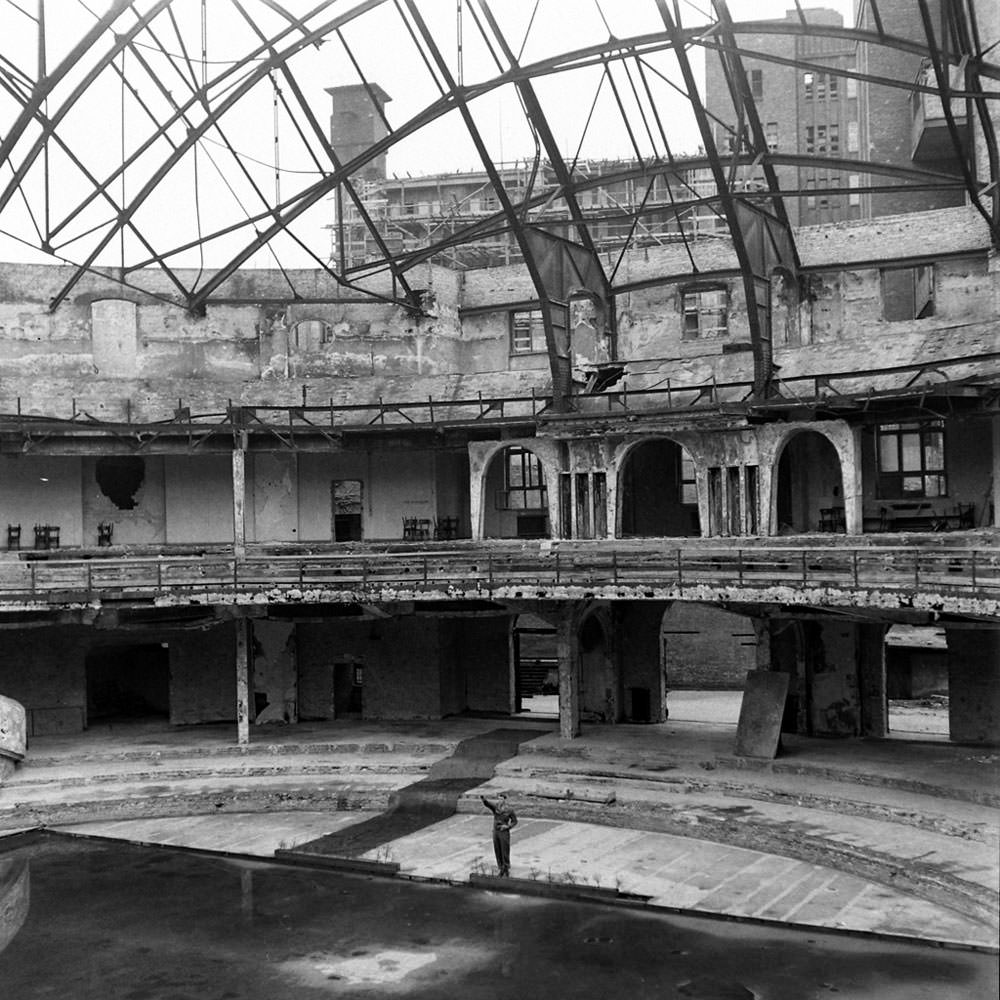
{"x":535,"y":320}
{"x":891,"y":482}
{"x":698,"y":330}
{"x":919,"y":308}
{"x":524,"y":481}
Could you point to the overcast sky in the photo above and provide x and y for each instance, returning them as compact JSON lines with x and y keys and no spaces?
{"x":110,"y":119}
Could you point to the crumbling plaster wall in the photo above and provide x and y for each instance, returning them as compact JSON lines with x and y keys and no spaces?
{"x":42,"y":489}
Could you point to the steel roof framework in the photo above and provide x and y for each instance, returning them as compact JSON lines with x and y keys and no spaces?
{"x":184,"y":103}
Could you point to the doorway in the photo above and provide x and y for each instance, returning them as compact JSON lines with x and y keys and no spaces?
{"x":346,"y":497}
{"x":536,"y":667}
{"x":348,"y":686}
{"x":916,"y":673}
{"x":128,"y":683}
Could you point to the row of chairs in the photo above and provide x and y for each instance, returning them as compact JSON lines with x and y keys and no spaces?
{"x":417,"y":529}
{"x":47,"y":535}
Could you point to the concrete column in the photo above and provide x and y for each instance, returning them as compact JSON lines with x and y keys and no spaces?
{"x":243,"y":643}
{"x":568,"y":652}
{"x":239,"y":498}
{"x":851,"y":483}
{"x":974,"y":685}
{"x":871,"y":679}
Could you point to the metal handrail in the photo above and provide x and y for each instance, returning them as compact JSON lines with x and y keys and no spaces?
{"x":490,"y":566}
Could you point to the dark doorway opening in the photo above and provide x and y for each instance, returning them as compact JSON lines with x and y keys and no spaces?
{"x":128,"y":683}
{"x":348,"y":687}
{"x":659,"y":495}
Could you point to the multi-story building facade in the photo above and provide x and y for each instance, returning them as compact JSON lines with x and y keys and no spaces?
{"x":810,"y":111}
{"x":462,"y":211}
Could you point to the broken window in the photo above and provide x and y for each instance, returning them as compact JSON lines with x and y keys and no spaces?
{"x":527,"y":332}
{"x":833,"y":88}
{"x":771,"y":136}
{"x":688,"y":483}
{"x":807,"y":80}
{"x":908,"y":292}
{"x":756,"y":77}
{"x":705,"y":313}
{"x":524,"y":482}
{"x":119,"y":478}
{"x":311,"y":334}
{"x":911,"y":460}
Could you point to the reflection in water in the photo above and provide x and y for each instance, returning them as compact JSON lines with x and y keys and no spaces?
{"x":121,"y":922}
{"x":15,"y":897}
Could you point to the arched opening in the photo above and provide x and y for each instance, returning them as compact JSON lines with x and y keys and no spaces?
{"x":810,"y":488}
{"x":598,"y":701}
{"x":658,"y":493}
{"x":536,"y":666}
{"x":515,"y":500}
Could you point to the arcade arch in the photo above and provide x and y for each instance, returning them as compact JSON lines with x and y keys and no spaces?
{"x":809,"y":485}
{"x":658,"y":494}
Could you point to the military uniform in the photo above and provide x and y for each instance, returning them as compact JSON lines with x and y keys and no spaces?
{"x":503,"y":820}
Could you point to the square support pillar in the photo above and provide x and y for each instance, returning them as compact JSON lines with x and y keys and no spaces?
{"x":243,"y":646}
{"x":239,"y":498}
{"x":568,"y":652}
{"x":974,"y":685}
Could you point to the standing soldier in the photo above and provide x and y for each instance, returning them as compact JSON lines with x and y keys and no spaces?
{"x":503,"y":821}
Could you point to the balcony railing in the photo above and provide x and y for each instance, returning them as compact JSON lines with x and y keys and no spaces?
{"x":540,"y":570}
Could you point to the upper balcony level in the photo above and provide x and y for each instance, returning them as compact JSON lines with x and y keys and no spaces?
{"x":954,"y":576}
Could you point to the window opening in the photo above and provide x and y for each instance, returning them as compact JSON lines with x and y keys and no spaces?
{"x":733,"y":493}
{"x":852,"y":83}
{"x":566,"y":504}
{"x":771,"y":136}
{"x":583,"y":521}
{"x":753,"y":500}
{"x":808,"y":80}
{"x":312,"y":334}
{"x":527,"y":334}
{"x":757,"y":82}
{"x":854,"y":182}
{"x":832,"y":87}
{"x":908,"y":292}
{"x":689,"y":485}
{"x":705,"y":313}
{"x":911,"y":460}
{"x":524,"y":482}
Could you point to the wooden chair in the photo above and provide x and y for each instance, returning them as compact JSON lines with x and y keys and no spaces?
{"x":966,"y":515}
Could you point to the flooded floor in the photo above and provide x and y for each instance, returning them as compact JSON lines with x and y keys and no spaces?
{"x":85,"y":919}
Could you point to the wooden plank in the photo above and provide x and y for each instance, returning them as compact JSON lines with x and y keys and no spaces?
{"x":759,"y":729}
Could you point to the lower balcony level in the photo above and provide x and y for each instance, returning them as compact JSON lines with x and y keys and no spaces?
{"x":959,"y":574}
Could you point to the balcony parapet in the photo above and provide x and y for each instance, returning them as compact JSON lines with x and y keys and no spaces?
{"x":953,"y":578}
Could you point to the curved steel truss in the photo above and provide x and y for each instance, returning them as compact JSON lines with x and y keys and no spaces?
{"x":191,"y":137}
